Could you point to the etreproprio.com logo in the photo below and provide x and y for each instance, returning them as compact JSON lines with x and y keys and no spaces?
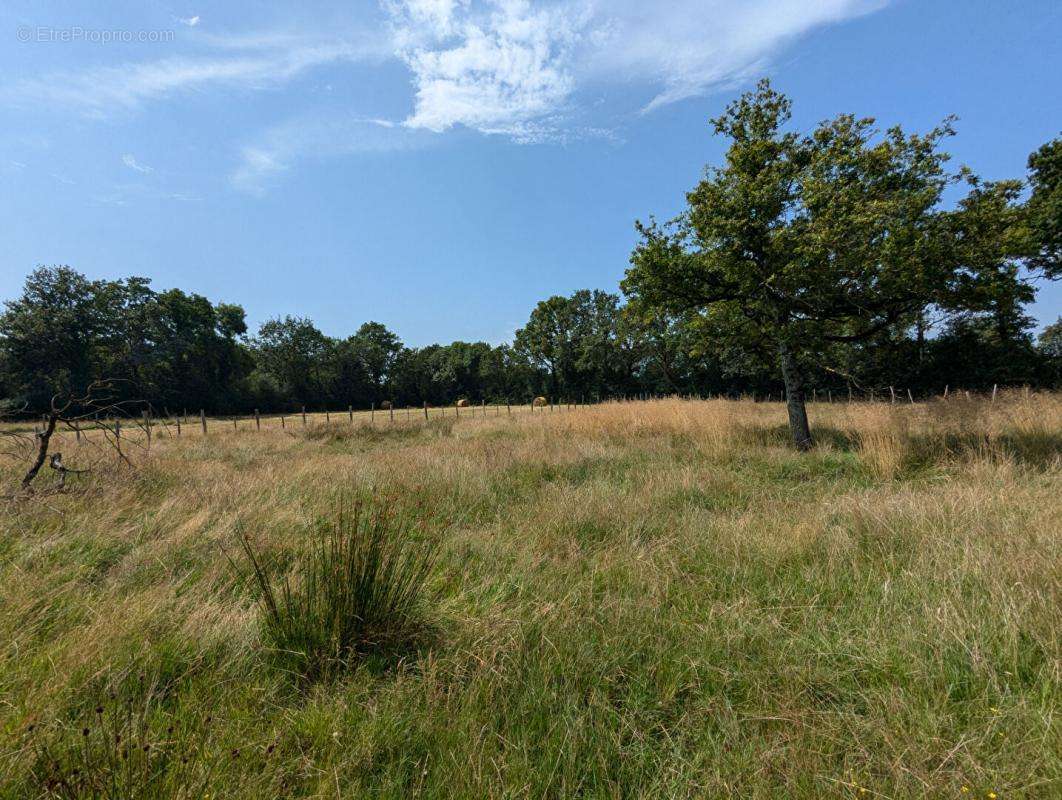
{"x":76,"y":33}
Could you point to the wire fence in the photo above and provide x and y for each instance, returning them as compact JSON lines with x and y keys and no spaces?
{"x":166,"y":425}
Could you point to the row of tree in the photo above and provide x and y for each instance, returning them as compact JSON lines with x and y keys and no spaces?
{"x":179,"y":351}
{"x":806,"y":261}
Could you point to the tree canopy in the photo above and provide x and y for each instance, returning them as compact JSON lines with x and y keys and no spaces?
{"x":799,"y":243}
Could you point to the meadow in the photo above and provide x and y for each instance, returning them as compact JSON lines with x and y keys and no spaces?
{"x":649,"y":599}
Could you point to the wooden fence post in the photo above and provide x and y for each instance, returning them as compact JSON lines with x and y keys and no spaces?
{"x":425,"y":410}
{"x":508,"y":408}
{"x":995,"y":386}
{"x":202,"y":420}
{"x":117,"y":428}
{"x":257,"y":420}
{"x":283,"y":424}
{"x":178,"y":426}
{"x":372,"y":413}
{"x":234,"y":423}
{"x":392,"y":410}
{"x":77,"y":432}
{"x":457,"y":408}
{"x":304,"y":416}
{"x":350,"y":413}
{"x":945,"y":391}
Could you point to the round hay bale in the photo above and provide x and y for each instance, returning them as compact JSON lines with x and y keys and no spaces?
{"x":385,"y":405}
{"x":541,"y":401}
{"x":462,"y":403}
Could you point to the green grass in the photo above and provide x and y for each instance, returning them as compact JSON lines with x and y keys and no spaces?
{"x":357,"y":592}
{"x":622,"y":604}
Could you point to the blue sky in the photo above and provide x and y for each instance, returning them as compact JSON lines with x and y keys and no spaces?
{"x":441,"y":165}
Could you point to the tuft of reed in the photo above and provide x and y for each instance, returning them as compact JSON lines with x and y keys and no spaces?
{"x":359,"y":588}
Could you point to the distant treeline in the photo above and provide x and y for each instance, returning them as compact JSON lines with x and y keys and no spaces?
{"x":177,"y":350}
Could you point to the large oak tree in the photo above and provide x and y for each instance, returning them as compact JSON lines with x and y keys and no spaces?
{"x":800,"y":242}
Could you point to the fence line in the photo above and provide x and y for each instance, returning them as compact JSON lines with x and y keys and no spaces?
{"x":176,"y":425}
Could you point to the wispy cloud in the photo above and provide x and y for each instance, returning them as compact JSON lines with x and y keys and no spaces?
{"x":259,"y":63}
{"x":309,"y":138}
{"x":690,"y":47}
{"x":126,"y":194}
{"x":191,"y":22}
{"x":507,"y":66}
{"x":130,"y":161}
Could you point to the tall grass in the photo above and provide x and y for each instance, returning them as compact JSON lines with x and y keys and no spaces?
{"x":128,"y":747}
{"x":651,"y":599}
{"x":357,"y":589}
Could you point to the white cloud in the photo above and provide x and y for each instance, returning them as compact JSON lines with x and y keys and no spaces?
{"x":495,"y":67}
{"x":693,"y":46}
{"x":530,"y":70}
{"x":130,"y":161}
{"x":507,"y":66}
{"x":263,"y":62}
{"x":305,"y":138}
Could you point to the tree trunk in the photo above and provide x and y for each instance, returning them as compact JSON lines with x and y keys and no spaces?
{"x":43,"y":438}
{"x":794,"y":398}
{"x":920,"y":327}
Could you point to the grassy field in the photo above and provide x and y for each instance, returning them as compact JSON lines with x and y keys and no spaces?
{"x":653,"y":600}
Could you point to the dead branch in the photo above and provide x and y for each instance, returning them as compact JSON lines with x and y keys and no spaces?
{"x":43,"y":439}
{"x":68,"y":411}
{"x":56,"y":463}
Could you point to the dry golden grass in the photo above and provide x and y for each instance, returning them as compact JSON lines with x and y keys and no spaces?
{"x":655,"y":599}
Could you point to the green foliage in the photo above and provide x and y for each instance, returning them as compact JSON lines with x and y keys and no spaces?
{"x":801,"y":247}
{"x":377,"y":351}
{"x":296,"y":354}
{"x":578,"y":342}
{"x":358,"y":589}
{"x":170,"y":348}
{"x":1050,"y":346}
{"x":1045,"y":209}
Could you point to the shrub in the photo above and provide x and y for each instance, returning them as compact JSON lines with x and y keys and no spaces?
{"x":358,"y":589}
